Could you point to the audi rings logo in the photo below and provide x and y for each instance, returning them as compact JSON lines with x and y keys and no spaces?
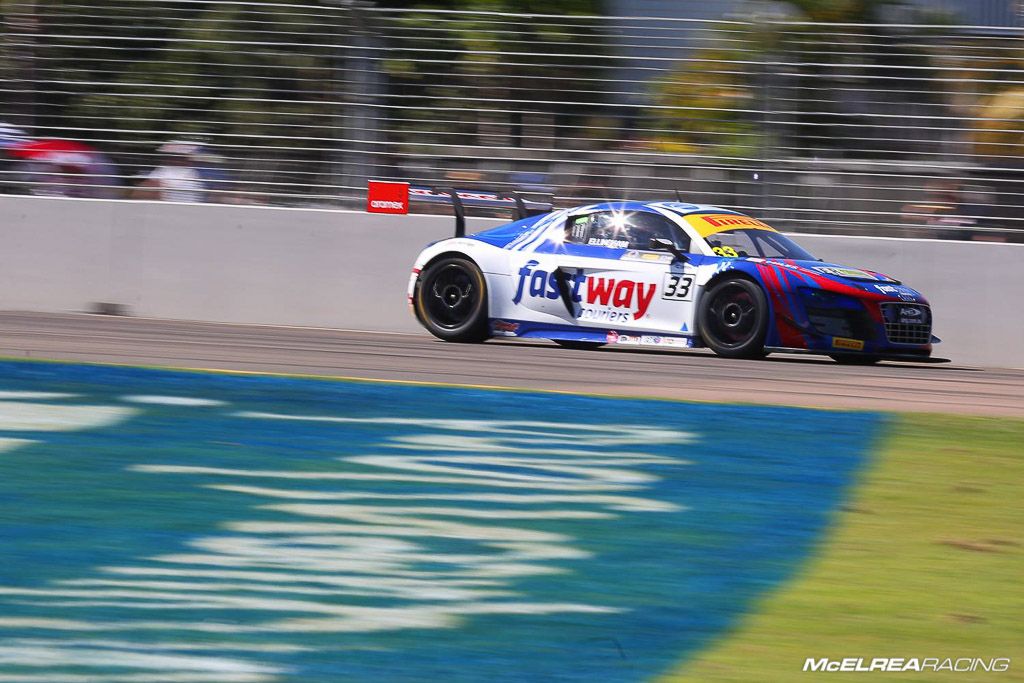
{"x":911,"y":315}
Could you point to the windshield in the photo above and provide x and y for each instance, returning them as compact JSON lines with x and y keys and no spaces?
{"x":756,"y":242}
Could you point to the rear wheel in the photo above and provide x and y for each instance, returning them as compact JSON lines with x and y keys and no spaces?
{"x":451,"y":300}
{"x":733,"y":319}
{"x":852,"y":359}
{"x":575,"y":344}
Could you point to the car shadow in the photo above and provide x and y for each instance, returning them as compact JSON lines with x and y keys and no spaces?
{"x":778,"y":358}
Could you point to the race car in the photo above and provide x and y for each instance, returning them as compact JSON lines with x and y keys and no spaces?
{"x":662,"y":274}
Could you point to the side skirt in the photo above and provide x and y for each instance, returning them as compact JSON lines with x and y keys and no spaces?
{"x":523,"y":329}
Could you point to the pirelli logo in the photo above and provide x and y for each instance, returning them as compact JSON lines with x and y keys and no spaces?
{"x":708,"y":224}
{"x":844,"y":343}
{"x":734,"y":221}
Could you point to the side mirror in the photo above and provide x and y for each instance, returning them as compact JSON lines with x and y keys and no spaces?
{"x":662,"y":244}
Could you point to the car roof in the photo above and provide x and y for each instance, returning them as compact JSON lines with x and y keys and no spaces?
{"x":682,"y":208}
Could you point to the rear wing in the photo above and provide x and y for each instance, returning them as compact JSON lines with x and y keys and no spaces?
{"x":391,"y":197}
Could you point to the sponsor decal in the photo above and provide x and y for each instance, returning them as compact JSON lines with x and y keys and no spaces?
{"x":646,"y":256}
{"x":426,"y":193}
{"x":904,"y":293}
{"x":709,"y":224}
{"x":845,"y":272}
{"x":905,"y":664}
{"x":781,"y":264}
{"x":674,"y":342}
{"x":723,"y":266}
{"x":600,"y":298}
{"x":387,"y":197}
{"x":844,"y":343}
{"x":602,"y":314}
{"x":649,"y":340}
{"x":537,"y":283}
{"x":579,"y":228}
{"x":679,"y":206}
{"x":505,"y":327}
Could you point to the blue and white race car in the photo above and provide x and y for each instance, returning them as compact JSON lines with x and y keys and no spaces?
{"x":663,"y":274}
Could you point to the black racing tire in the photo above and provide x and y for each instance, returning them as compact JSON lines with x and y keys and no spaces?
{"x":854,"y":359}
{"x":733,"y":318}
{"x":576,"y":344}
{"x":451,"y":300}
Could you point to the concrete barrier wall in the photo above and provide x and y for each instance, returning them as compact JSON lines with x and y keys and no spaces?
{"x":218,"y":263}
{"x":349,"y":270}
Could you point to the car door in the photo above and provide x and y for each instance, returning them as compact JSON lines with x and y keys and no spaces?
{"x":605,"y":274}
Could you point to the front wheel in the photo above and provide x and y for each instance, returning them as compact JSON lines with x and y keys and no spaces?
{"x":451,"y":300}
{"x":733,"y":319}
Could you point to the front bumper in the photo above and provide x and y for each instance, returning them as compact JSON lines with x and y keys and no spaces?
{"x":841,"y":324}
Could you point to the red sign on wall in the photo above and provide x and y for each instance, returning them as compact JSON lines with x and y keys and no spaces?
{"x":387,"y":197}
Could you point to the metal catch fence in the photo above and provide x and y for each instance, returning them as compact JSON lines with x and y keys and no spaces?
{"x":881,"y":129}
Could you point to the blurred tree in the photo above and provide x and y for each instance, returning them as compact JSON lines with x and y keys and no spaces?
{"x":276,"y":79}
{"x":999,"y":126}
{"x":708,"y":104}
{"x":240,"y":75}
{"x":827,"y":82}
{"x":986,"y":79}
{"x":477,"y":78}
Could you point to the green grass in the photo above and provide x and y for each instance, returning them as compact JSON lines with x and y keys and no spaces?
{"x":925,"y":560}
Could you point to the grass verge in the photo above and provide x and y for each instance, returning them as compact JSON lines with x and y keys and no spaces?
{"x":925,"y":560}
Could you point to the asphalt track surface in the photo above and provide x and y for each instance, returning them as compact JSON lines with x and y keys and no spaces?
{"x":691,"y":375}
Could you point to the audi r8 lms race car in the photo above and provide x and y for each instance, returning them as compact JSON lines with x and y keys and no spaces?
{"x":662,"y":274}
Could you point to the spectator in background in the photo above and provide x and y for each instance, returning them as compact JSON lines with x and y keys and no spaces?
{"x":10,"y":177}
{"x":945,"y":212}
{"x":55,"y":167}
{"x":177,"y":178}
{"x":216,"y":180}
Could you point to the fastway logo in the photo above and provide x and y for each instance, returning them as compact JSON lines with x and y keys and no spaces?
{"x":599,"y":291}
